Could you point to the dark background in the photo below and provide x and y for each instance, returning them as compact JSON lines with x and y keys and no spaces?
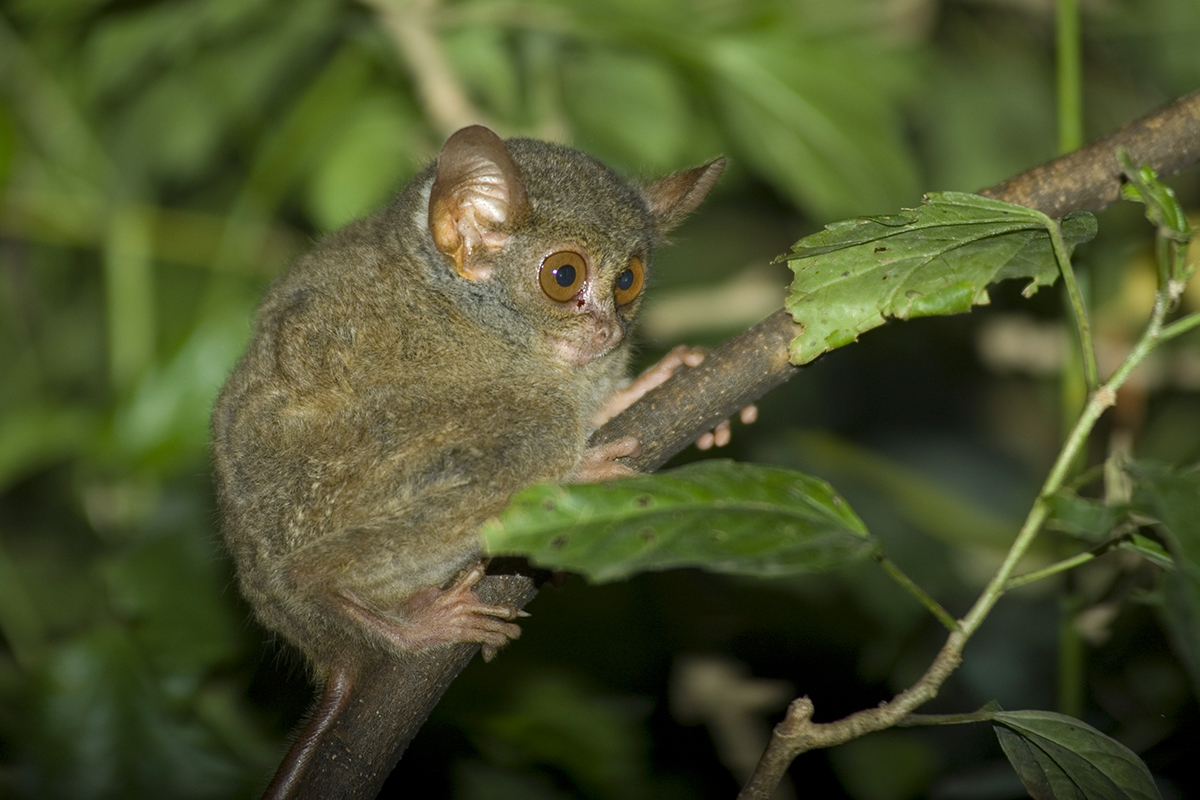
{"x":161,"y":161}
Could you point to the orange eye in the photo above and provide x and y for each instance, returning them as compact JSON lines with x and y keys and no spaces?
{"x":630,"y":282}
{"x":562,"y":275}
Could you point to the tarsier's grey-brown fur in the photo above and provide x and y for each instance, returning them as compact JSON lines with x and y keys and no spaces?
{"x":409,"y":374}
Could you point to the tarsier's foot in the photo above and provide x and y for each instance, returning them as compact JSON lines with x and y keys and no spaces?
{"x":436,"y":616}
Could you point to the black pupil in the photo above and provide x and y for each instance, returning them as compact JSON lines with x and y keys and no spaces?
{"x":625,"y":280}
{"x":564,"y":276}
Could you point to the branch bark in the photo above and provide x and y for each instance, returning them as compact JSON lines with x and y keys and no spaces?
{"x":393,"y":699}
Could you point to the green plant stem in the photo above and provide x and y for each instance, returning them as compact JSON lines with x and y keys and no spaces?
{"x":1046,"y":572}
{"x":129,"y":296}
{"x":1087,"y":347}
{"x":919,"y":720}
{"x":1070,"y":76}
{"x":916,"y":591}
{"x":1066,"y":564}
{"x":1180,"y":326}
{"x":1071,"y":655}
{"x":797,"y":733}
{"x":1096,"y":405}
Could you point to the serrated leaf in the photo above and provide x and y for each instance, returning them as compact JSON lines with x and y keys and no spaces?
{"x":1172,"y":496}
{"x":1162,"y":207}
{"x":716,"y":515}
{"x":1060,"y":758}
{"x":933,"y":260}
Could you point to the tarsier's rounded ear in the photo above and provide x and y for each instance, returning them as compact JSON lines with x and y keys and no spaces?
{"x":674,"y":197}
{"x":477,"y":196}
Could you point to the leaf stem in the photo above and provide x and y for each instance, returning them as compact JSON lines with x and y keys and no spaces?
{"x":925,"y":599}
{"x":1053,"y":569}
{"x":919,"y":720}
{"x":1078,"y":306}
{"x":1180,"y":326}
{"x":1098,"y":402}
{"x":1066,"y":563}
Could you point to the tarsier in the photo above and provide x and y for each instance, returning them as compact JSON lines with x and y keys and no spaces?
{"x":417,"y":368}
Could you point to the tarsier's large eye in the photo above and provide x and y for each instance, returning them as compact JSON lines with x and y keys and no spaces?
{"x":630,"y":281}
{"x":562,"y":275}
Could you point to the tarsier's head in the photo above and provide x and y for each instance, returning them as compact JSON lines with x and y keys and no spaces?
{"x":570,"y":238}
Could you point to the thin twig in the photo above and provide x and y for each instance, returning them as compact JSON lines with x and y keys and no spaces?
{"x":797,"y":734}
{"x":411,"y":24}
{"x":910,"y":586}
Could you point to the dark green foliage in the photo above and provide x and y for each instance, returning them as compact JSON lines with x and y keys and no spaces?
{"x":721,"y":516}
{"x":933,"y":260}
{"x":161,"y":161}
{"x":1061,"y":758}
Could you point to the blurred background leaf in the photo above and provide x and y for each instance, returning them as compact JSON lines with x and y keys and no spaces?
{"x":162,"y":160}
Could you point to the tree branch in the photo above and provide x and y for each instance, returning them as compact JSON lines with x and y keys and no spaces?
{"x":394,"y":698}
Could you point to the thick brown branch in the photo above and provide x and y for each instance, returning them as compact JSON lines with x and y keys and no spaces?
{"x":740,"y":371}
{"x":674,"y":415}
{"x":1089,"y":179}
{"x":392,"y":701}
{"x":351,"y":757}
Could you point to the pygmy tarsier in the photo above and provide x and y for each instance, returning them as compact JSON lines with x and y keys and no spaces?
{"x":418,"y":367}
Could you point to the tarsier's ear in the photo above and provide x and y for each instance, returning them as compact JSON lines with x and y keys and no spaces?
{"x":477,"y":197}
{"x":674,"y":197}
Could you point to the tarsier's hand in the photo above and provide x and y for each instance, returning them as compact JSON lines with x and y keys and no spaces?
{"x":680,"y":356}
{"x":720,"y":435}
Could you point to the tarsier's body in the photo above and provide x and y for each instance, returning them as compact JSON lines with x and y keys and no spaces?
{"x":417,"y":368}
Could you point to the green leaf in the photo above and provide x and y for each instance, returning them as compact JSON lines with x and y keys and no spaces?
{"x":170,"y":589}
{"x":1060,"y":758}
{"x":1150,"y":550}
{"x":371,"y":156}
{"x":610,"y":95}
{"x":716,"y":515}
{"x":1083,"y":516}
{"x":598,"y":745}
{"x":34,"y":435}
{"x":1172,"y":497}
{"x":104,"y":728}
{"x":811,"y":120}
{"x":1162,"y":207}
{"x":933,"y":260}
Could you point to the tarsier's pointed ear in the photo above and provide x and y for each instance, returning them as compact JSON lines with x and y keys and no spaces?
{"x":477,"y":196}
{"x":674,"y":197}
